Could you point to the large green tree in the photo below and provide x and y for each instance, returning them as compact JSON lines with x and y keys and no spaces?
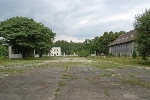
{"x":25,"y":35}
{"x":101,"y":44}
{"x":142,"y":26}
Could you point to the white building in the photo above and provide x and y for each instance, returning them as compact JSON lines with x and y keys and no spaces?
{"x":55,"y":51}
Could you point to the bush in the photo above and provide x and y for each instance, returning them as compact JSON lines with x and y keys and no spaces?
{"x":119,"y":54}
{"x":3,"y":51}
{"x":83,"y":53}
{"x":134,"y":54}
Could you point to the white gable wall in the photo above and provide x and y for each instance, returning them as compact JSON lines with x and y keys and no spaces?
{"x":55,"y":51}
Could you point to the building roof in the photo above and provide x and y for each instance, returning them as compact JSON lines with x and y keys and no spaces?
{"x":126,"y":37}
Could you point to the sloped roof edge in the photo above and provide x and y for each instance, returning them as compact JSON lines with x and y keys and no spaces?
{"x":123,"y":38}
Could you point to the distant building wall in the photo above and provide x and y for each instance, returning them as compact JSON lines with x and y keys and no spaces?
{"x":123,"y":49}
{"x":55,"y":51}
{"x":16,"y":56}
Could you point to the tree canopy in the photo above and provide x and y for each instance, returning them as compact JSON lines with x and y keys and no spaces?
{"x":101,"y":44}
{"x":25,"y":35}
{"x":89,"y":46}
{"x":142,"y":25}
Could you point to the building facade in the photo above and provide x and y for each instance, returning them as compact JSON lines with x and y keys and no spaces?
{"x":55,"y":51}
{"x":123,"y":45}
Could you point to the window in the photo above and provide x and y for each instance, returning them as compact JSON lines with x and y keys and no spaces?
{"x":57,"y":53}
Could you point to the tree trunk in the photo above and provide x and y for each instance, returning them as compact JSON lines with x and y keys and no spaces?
{"x":23,"y":54}
{"x":40,"y":54}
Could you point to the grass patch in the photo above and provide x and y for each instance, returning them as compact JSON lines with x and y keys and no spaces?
{"x":61,"y":83}
{"x":15,"y":62}
{"x":127,"y":61}
{"x":121,"y":61}
{"x":117,"y":62}
{"x":137,"y":82}
{"x":109,"y":64}
{"x":69,"y":77}
{"x":10,"y":70}
{"x":87,"y":78}
{"x":32,"y":60}
{"x":73,"y":77}
{"x":57,"y":89}
{"x":106,"y":73}
{"x":106,"y":93}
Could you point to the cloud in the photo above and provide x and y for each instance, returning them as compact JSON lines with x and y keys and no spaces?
{"x":77,"y":19}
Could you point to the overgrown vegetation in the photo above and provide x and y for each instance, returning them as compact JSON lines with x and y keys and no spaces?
{"x":134,"y":54}
{"x":3,"y":51}
{"x":118,"y":62}
{"x":142,"y":26}
{"x":20,"y":61}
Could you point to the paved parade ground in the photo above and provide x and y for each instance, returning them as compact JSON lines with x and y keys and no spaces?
{"x":76,"y":79}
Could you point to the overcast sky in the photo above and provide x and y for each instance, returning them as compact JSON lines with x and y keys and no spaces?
{"x":77,"y":20}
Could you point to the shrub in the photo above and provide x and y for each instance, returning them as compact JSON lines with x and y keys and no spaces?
{"x":134,"y":54}
{"x":119,"y":54}
{"x":83,"y":53}
{"x":3,"y":51}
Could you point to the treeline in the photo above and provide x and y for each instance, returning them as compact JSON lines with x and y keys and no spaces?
{"x":89,"y":46}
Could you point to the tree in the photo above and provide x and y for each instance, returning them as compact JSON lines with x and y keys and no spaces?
{"x":142,"y":26}
{"x":87,"y":45}
{"x":25,"y":35}
{"x":45,"y":42}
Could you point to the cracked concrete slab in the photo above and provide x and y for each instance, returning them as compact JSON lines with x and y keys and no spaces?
{"x":75,"y":82}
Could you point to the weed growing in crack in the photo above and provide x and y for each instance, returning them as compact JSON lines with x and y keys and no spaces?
{"x":57,"y":89}
{"x":106,"y":73}
{"x":106,"y":93}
